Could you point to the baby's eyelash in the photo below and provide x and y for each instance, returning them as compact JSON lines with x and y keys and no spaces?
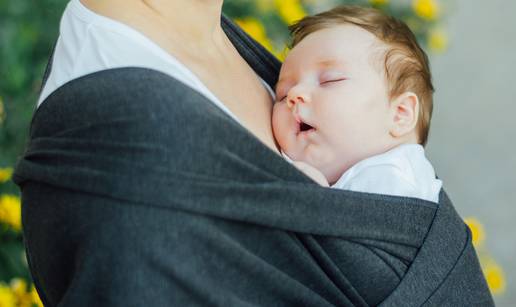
{"x":335,"y":80}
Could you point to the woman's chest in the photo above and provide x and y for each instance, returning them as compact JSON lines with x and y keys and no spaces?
{"x":247,"y":98}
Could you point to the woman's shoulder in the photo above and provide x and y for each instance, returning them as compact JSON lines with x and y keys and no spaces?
{"x":122,"y":94}
{"x":89,"y":43}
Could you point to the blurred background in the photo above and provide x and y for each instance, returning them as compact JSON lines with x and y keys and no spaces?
{"x":470,"y":44}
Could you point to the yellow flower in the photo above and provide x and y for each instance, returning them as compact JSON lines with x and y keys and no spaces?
{"x":7,"y":297}
{"x":256,"y":30}
{"x":477,"y":231}
{"x":10,"y":211}
{"x":426,"y":9}
{"x":18,"y":286}
{"x":19,"y":289}
{"x":378,"y":2}
{"x":495,"y":277}
{"x":35,"y":297}
{"x":437,"y":40}
{"x":289,"y":10}
{"x":5,"y":174}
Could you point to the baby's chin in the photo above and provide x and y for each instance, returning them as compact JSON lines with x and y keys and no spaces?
{"x":326,"y":162}
{"x":288,"y":143}
{"x":305,"y":153}
{"x":295,"y":149}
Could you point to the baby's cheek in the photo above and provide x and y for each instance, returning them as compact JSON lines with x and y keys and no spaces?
{"x":280,"y":123}
{"x":278,"y":119}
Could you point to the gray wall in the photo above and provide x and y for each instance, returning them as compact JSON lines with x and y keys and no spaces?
{"x":473,"y":135}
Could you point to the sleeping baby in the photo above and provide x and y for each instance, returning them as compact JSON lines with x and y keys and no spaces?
{"x":354,"y":102}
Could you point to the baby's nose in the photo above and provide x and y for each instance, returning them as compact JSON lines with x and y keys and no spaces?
{"x":296,"y":99}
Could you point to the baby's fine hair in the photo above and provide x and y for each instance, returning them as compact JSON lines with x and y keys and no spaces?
{"x":405,"y":63}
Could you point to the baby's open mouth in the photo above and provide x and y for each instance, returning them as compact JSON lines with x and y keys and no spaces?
{"x":302,"y":126}
{"x":305,"y":127}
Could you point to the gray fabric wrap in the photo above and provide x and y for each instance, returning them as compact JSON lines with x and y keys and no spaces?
{"x":138,"y":191}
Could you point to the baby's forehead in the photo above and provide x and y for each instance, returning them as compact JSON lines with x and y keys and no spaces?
{"x":342,"y":43}
{"x":349,"y":57}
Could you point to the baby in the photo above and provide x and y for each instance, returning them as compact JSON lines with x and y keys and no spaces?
{"x":354,"y":101}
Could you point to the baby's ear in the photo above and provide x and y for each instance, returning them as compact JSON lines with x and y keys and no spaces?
{"x":405,"y":112}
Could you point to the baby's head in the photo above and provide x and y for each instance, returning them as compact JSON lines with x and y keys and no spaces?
{"x":355,"y":84}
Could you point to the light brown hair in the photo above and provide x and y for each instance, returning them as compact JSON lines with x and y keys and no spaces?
{"x":405,"y":63}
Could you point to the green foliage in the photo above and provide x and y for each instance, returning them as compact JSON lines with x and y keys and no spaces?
{"x":12,"y":255}
{"x":27,"y":32}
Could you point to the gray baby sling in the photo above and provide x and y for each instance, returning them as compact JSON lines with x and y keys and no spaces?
{"x":138,"y":191}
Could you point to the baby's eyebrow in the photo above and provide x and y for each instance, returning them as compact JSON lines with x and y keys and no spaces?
{"x":329,"y":62}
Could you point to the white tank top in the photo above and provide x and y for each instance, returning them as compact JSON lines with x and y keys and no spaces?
{"x":89,"y":42}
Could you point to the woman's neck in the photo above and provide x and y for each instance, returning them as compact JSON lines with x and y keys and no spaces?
{"x":194,"y":23}
{"x":198,"y":19}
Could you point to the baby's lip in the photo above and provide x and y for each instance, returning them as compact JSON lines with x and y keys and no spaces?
{"x":302,"y":124}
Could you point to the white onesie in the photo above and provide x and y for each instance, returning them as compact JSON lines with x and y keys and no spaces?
{"x":401,"y":171}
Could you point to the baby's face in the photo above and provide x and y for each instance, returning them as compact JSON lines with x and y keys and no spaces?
{"x":332,"y":107}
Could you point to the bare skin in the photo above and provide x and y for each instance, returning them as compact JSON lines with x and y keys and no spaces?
{"x":312,"y":172}
{"x":195,"y":37}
